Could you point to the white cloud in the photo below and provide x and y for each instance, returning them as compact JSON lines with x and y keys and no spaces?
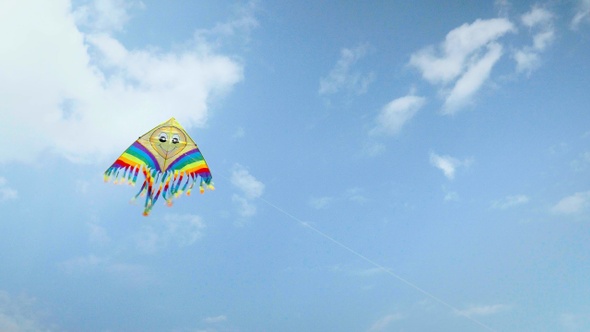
{"x":457,"y":51}
{"x":86,"y":95}
{"x":451,"y":196}
{"x":235,"y":30}
{"x":503,"y":7}
{"x":382,"y":323}
{"x":526,"y":60}
{"x":447,"y":164}
{"x":510,"y":201}
{"x":248,"y":184}
{"x":180,"y":229}
{"x":320,"y":202}
{"x":537,"y":16}
{"x":582,"y":14}
{"x":350,"y":195}
{"x":341,"y":77}
{"x":250,"y":189}
{"x":215,"y":319}
{"x":18,"y":314}
{"x":246,"y":207}
{"x":373,"y":148}
{"x":397,"y":113}
{"x":464,"y":59}
{"x":472,"y":79}
{"x":573,"y":205}
{"x":6,"y":193}
{"x":483,"y":310}
{"x":105,"y":15}
{"x":355,"y":195}
{"x":540,"y":21}
{"x":239,"y":133}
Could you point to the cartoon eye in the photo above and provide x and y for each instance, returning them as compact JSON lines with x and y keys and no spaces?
{"x":175,"y":139}
{"x":163,"y":137}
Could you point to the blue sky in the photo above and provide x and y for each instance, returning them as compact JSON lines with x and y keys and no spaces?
{"x":392,"y":166}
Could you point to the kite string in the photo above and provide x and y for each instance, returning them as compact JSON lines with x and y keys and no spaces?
{"x":377,"y":265}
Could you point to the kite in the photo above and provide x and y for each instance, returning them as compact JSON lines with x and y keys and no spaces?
{"x":170,"y":161}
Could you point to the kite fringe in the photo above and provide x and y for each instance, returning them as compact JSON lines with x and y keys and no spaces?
{"x":169,"y":185}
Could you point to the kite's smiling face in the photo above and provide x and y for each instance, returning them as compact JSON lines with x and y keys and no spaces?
{"x":168,"y":141}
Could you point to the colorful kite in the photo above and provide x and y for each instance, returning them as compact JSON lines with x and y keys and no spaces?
{"x":169,"y":160}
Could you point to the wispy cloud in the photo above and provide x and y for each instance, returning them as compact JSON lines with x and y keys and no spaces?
{"x":249,"y":187}
{"x":503,"y":7}
{"x":93,"y":94}
{"x":215,"y":319}
{"x":18,"y":313}
{"x":581,"y":162}
{"x":510,"y":201}
{"x":319,"y":203}
{"x":582,"y":14}
{"x":179,"y":229}
{"x":483,"y":310}
{"x":239,"y":133}
{"x":573,"y":205}
{"x":133,"y":274}
{"x":396,"y":114}
{"x":97,"y":233}
{"x":350,"y":195}
{"x":447,"y":164}
{"x":105,"y":15}
{"x":450,"y":196}
{"x":384,"y":322}
{"x":539,"y":21}
{"x":463,"y":60}
{"x":575,"y":321}
{"x":343,"y":77}
{"x":236,"y":30}
{"x":475,"y":75}
{"x":6,"y":193}
{"x":451,"y":58}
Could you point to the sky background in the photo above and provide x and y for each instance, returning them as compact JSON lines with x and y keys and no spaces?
{"x":379,"y":166}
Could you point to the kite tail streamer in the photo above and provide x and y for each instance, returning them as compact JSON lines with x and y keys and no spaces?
{"x":174,"y":191}
{"x":166,"y":181}
{"x":184,"y":187}
{"x":169,"y":184}
{"x":135,"y":176}
{"x":190,"y":188}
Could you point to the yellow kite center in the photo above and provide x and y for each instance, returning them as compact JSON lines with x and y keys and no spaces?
{"x":168,"y":141}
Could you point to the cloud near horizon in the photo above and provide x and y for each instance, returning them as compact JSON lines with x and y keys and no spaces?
{"x":19,"y":313}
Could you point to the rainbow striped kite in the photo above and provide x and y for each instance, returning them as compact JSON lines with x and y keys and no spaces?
{"x":169,"y":160}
